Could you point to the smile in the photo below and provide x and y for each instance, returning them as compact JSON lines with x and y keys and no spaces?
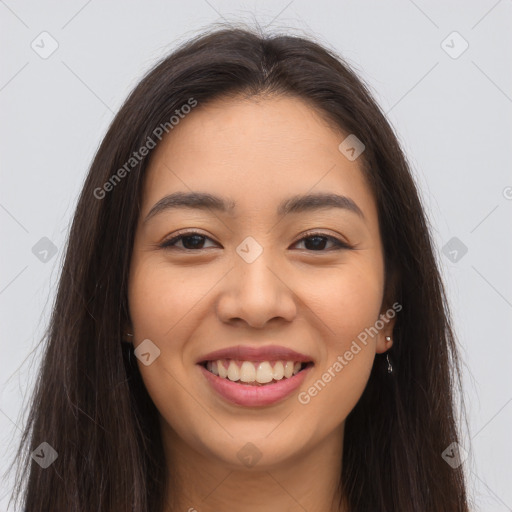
{"x":255,"y":373}
{"x":254,"y":393}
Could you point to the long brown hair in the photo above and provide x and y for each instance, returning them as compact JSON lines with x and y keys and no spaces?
{"x":89,"y":402}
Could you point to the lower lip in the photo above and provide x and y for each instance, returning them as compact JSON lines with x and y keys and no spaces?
{"x":255,"y":396}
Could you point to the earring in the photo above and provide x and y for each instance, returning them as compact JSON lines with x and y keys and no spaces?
{"x":128,"y":346}
{"x":390,"y":366}
{"x":127,"y":338}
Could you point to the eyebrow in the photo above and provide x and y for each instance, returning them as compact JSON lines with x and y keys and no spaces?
{"x":294,"y":204}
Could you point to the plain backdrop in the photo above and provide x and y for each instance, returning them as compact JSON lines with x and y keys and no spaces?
{"x":440,"y":70}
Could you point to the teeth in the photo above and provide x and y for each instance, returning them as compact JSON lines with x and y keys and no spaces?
{"x":233,"y":372}
{"x":265,"y":373}
{"x":249,"y":372}
{"x":221,"y":369}
{"x":288,"y":369}
{"x":278,"y":370}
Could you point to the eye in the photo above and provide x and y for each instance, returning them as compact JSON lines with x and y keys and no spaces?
{"x":318,"y":241}
{"x":190,"y":240}
{"x":193,"y":240}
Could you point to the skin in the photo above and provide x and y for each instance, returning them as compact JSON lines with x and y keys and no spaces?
{"x":256,"y":152}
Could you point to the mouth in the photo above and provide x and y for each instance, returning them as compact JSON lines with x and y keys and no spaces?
{"x":255,"y":376}
{"x":255,"y":373}
{"x":254,"y":383}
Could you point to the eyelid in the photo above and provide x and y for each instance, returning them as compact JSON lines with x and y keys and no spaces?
{"x":183,"y":233}
{"x":337,"y":240}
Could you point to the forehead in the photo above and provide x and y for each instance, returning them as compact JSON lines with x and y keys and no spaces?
{"x":256,"y":151}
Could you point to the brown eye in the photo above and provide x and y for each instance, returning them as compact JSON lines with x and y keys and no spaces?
{"x":190,"y":241}
{"x":317,"y":241}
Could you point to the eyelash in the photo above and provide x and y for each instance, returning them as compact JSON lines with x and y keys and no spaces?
{"x":339,"y":244}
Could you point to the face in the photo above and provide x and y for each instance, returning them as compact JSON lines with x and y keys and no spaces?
{"x":263,"y":283}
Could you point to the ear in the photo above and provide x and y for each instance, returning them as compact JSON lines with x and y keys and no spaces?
{"x":387,"y":319}
{"x":389,"y":310}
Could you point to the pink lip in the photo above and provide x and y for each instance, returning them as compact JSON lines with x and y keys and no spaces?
{"x":246,"y":353}
{"x":255,"y":396}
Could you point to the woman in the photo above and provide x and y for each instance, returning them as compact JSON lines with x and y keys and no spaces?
{"x":250,"y":316}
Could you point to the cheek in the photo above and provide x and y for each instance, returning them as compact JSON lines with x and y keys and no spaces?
{"x":162,"y":298}
{"x":168,"y":304}
{"x":348,"y":301}
{"x":162,"y":301}
{"x":349,"y":305}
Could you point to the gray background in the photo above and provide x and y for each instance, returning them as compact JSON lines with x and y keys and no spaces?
{"x":451,"y":110}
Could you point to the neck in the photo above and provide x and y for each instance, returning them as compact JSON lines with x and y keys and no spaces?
{"x":309,"y":481}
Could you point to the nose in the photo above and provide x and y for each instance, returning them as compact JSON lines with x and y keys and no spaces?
{"x":256,"y":293}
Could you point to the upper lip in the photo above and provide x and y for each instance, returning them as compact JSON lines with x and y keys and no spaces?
{"x":260,"y":353}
